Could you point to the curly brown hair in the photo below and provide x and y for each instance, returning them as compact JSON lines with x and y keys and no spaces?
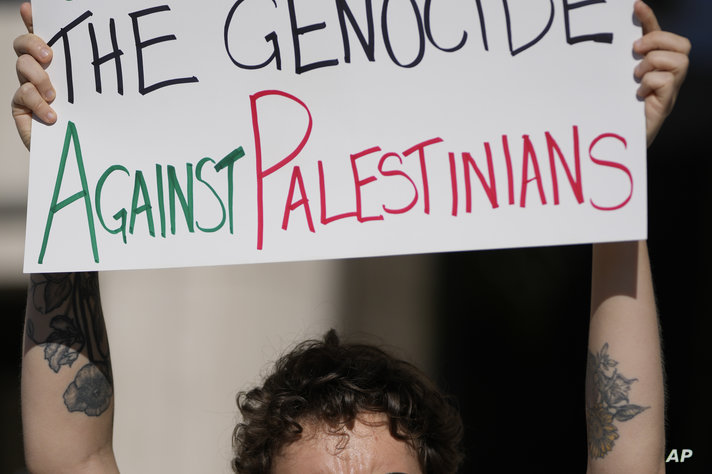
{"x":332,"y":384}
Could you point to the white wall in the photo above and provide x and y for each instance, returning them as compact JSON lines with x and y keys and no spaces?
{"x":185,"y":341}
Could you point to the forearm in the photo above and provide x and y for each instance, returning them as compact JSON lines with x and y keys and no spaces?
{"x":67,"y":391}
{"x":624,"y":379}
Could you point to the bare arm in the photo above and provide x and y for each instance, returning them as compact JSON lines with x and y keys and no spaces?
{"x":625,"y":403}
{"x":624,"y":378}
{"x":67,"y":390}
{"x":67,"y":387}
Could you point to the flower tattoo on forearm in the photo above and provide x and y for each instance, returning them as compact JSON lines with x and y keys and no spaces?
{"x":71,"y":323}
{"x":607,"y":401}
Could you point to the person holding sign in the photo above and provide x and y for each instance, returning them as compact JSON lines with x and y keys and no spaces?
{"x":67,"y":384}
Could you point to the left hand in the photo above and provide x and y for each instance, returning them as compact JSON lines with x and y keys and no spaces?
{"x":36,"y":92}
{"x":662,"y":70}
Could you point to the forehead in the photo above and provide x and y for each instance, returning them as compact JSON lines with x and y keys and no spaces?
{"x":366,"y":449}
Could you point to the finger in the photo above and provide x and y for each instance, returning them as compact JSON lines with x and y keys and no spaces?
{"x":27,"y":99}
{"x":34,"y":46}
{"x":647,"y":17}
{"x":662,"y":61}
{"x":23,"y":122}
{"x":657,"y":83}
{"x":29,"y":70}
{"x":663,"y":41}
{"x":26,"y":14}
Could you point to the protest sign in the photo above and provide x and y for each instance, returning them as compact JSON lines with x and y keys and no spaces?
{"x":205,"y":133}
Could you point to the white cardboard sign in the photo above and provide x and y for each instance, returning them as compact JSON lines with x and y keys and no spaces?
{"x":222,"y":132}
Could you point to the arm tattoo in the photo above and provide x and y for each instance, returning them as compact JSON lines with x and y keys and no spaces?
{"x":606,"y":402}
{"x":71,"y":322}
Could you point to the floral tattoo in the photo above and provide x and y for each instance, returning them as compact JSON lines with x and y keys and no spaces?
{"x":72,"y":322}
{"x":607,"y":401}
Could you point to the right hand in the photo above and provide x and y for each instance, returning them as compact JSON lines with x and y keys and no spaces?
{"x":662,"y":70}
{"x":36,"y":91}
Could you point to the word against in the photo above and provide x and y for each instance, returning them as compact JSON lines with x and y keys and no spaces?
{"x":684,"y":454}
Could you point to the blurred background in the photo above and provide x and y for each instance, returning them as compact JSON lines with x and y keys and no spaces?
{"x":185,"y":341}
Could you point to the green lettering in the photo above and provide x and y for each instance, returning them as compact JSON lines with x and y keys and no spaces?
{"x":55,"y":206}
{"x":229,"y":163}
{"x":199,"y":177}
{"x":140,"y":185}
{"x":186,"y":200}
{"x":161,"y":202}
{"x":119,"y":216}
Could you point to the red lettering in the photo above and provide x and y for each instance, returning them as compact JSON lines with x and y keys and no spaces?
{"x":262,"y":174}
{"x":322,"y":193}
{"x":398,"y":173}
{"x":612,"y":165}
{"x":576,"y":184}
{"x":304,"y":201}
{"x":510,"y":173}
{"x":359,"y":183}
{"x":453,"y":182}
{"x":490,"y":188}
{"x":420,"y":148}
{"x":529,"y":152}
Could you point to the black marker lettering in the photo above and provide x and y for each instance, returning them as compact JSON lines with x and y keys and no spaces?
{"x":342,"y":9}
{"x":387,"y":40}
{"x":271,"y":37}
{"x":532,"y":42}
{"x":115,"y":55}
{"x":67,"y":54}
{"x":140,"y":45}
{"x":428,"y":31}
{"x":483,"y":27}
{"x":300,"y":30}
{"x":596,"y":37}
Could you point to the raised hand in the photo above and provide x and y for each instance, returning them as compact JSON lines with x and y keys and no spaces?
{"x":36,"y":91}
{"x":662,"y":70}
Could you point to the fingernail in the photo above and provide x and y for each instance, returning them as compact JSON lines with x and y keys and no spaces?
{"x":51,"y":116}
{"x":49,"y":95}
{"x":637,"y":43}
{"x":44,"y":53}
